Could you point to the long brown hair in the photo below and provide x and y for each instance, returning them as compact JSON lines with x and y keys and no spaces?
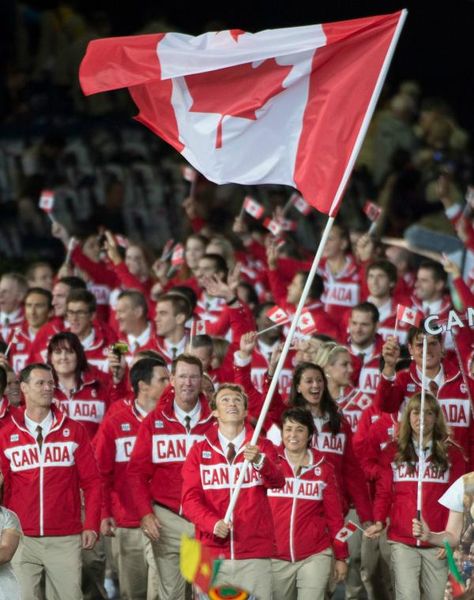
{"x":327,"y":404}
{"x":406,"y":448}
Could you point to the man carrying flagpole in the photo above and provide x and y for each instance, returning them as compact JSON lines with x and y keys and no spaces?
{"x":209,"y":475}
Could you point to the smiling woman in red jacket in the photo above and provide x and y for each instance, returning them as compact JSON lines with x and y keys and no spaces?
{"x":307,"y":516}
{"x":81,"y":390}
{"x":333,"y":436}
{"x":418,"y":568}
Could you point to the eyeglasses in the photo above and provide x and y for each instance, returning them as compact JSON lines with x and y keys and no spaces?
{"x":77,"y":313}
{"x":186,"y":377}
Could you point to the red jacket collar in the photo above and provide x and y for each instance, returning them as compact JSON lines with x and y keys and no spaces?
{"x":450,"y":371}
{"x":18,"y":417}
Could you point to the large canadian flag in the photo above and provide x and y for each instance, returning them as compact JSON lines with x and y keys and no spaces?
{"x":283,"y":106}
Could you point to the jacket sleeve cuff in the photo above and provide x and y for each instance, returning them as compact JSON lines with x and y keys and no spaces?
{"x":241,"y":362}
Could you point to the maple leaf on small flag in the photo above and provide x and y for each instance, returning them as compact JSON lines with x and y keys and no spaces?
{"x":177,"y":257}
{"x":253,"y":208}
{"x":226,"y":91}
{"x":405,"y":314}
{"x":372,"y":211}
{"x":277,"y":314}
{"x":306,"y":323}
{"x":46,"y":201}
{"x":363,"y":401}
{"x":198,"y":328}
{"x":345,"y":532}
{"x":300,"y":204}
{"x":236,"y":33}
{"x":272,"y":226}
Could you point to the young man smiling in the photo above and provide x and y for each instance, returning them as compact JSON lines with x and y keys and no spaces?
{"x":209,"y":476}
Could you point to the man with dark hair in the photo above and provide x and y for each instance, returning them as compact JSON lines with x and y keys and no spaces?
{"x":430,"y":287}
{"x":171,"y":313}
{"x":81,"y":308}
{"x":40,"y":274}
{"x":287,"y":297}
{"x":163,"y":442}
{"x":209,"y":476}
{"x":61,"y":290}
{"x":47,"y":460}
{"x":209,"y":307}
{"x":113,"y":447}
{"x":381,"y":278}
{"x":444,"y":382}
{"x":38,"y":309}
{"x":13,"y":288}
{"x":365,"y":345}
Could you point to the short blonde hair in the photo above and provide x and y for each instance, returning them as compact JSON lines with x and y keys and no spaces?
{"x":233,"y":387}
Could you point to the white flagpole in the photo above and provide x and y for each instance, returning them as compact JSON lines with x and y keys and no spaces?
{"x":421,"y":455}
{"x":319,"y":252}
{"x":281,"y":362}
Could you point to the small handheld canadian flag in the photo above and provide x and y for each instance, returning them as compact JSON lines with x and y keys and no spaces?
{"x":253,"y":208}
{"x":277,"y":315}
{"x":345,"y":532}
{"x":177,"y":257}
{"x":409,"y":315}
{"x":121,"y":240}
{"x":198,"y":328}
{"x":287,"y":224}
{"x":272,"y":226}
{"x":46,"y":201}
{"x":372,"y":211}
{"x":306,"y":324}
{"x":300,"y":204}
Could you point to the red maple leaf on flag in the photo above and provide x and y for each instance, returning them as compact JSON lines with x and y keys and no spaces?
{"x":236,"y":91}
{"x":235,"y":33}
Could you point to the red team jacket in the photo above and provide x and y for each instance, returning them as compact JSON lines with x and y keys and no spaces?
{"x":397,"y":492}
{"x":158,"y":455}
{"x":113,"y":445}
{"x":338,"y":451}
{"x":208,"y":481}
{"x":307,"y":510}
{"x":89,"y":402}
{"x":453,"y":396}
{"x":44,"y":488}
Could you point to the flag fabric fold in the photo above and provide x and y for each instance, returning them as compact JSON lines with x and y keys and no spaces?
{"x":283,"y":106}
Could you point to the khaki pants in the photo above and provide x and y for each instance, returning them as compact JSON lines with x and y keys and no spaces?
{"x":59,"y":557}
{"x":254,"y":575}
{"x":128,"y":551}
{"x":152,"y":587}
{"x":93,"y":572}
{"x":302,"y":580}
{"x":171,"y":585}
{"x":417,"y":571}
